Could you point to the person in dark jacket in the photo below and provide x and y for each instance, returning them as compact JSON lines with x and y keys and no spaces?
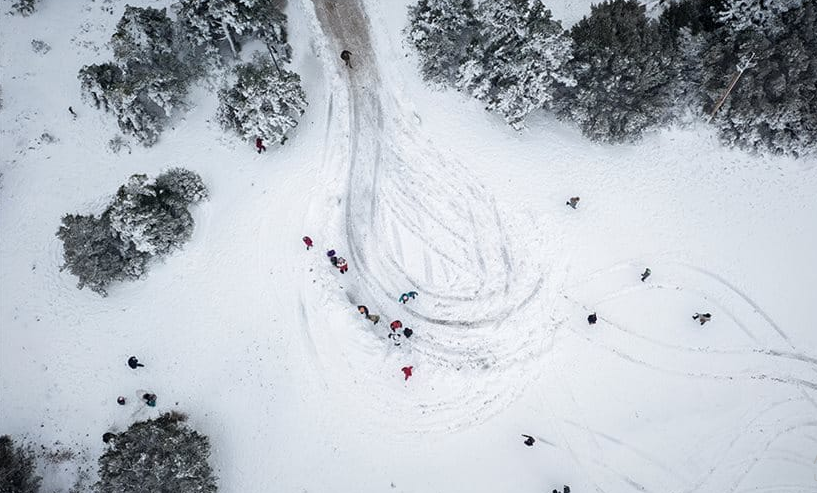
{"x":134,"y":363}
{"x":592,"y":318}
{"x":573,"y":202}
{"x":407,"y":332}
{"x":107,"y":437}
{"x":150,"y":399}
{"x":259,"y":145}
{"x":120,"y":400}
{"x":702,"y":317}
{"x":346,"y":56}
{"x":646,"y":274}
{"x":529,"y":440}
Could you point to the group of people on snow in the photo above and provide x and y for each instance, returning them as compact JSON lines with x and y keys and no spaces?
{"x":148,"y":398}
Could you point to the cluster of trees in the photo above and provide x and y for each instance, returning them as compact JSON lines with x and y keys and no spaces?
{"x":161,"y":454}
{"x":24,"y":7}
{"x":156,"y":59}
{"x":147,"y":218}
{"x":618,"y":73}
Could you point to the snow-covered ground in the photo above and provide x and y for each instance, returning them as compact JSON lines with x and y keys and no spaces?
{"x":260,"y":342}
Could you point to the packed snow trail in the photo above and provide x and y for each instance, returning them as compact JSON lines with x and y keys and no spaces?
{"x":416,"y":219}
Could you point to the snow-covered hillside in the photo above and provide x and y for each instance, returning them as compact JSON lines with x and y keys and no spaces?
{"x":260,"y":340}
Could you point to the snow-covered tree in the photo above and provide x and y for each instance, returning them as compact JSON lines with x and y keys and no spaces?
{"x":216,"y":21}
{"x":24,"y":7}
{"x":441,"y":31}
{"x":518,"y":60}
{"x":147,"y":81}
{"x":95,"y":254}
{"x":17,"y":468}
{"x":621,"y":71}
{"x":264,"y":101}
{"x":160,"y":454}
{"x":774,"y":103}
{"x":181,"y":185}
{"x":154,"y":222}
{"x":761,"y":15}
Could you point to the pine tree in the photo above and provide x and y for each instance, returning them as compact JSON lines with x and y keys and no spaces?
{"x":24,"y":7}
{"x":622,"y":73}
{"x":774,"y":104}
{"x":17,"y":468}
{"x":441,"y":31}
{"x":518,"y":60}
{"x":182,"y":186}
{"x":96,"y":255}
{"x":160,"y":454}
{"x":264,"y":101}
{"x":214,"y":21}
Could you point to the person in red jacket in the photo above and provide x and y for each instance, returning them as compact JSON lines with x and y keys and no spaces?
{"x":259,"y":144}
{"x":407,"y":371}
{"x":342,"y":265}
{"x":308,"y":242}
{"x":396,"y":325}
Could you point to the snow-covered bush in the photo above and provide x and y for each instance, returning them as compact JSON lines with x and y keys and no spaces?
{"x":24,"y":7}
{"x":145,"y":219}
{"x":264,"y":101}
{"x":518,"y":60}
{"x":441,"y":31}
{"x":214,"y":22}
{"x":147,"y":81}
{"x":773,"y":106}
{"x":622,"y":73}
{"x":17,"y":468}
{"x":96,"y":255}
{"x":160,"y":454}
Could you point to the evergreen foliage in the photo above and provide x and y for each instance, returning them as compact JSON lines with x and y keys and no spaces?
{"x":145,"y":219}
{"x":774,"y":104}
{"x":149,"y":77}
{"x":264,"y":101}
{"x":214,"y":22}
{"x":160,"y":454}
{"x":622,"y":73}
{"x":441,"y":31}
{"x":518,"y":60}
{"x":17,"y":468}
{"x":24,"y":7}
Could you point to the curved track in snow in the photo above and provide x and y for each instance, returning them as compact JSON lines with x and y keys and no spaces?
{"x":416,"y":219}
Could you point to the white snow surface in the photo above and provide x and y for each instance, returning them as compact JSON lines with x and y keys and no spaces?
{"x":260,"y":341}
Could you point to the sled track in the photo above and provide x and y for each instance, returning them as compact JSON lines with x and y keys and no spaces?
{"x":419,"y":220}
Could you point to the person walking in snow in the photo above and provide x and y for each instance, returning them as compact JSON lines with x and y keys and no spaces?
{"x":374,"y":318}
{"x":407,"y":296}
{"x":307,"y":242}
{"x":529,"y":440}
{"x":342,"y":265}
{"x":396,"y":325}
{"x":407,"y":332}
{"x":73,"y":113}
{"x":407,"y":371}
{"x":573,"y":202}
{"x":332,"y":257}
{"x":395,"y":336}
{"x":646,"y":274}
{"x":365,"y":312}
{"x":120,"y":400}
{"x":346,"y":56}
{"x":107,"y":437}
{"x":134,"y":363}
{"x":592,"y":319}
{"x":150,"y":399}
{"x":259,"y":145}
{"x":702,"y":317}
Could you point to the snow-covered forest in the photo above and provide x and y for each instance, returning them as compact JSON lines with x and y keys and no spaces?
{"x":413,"y":245}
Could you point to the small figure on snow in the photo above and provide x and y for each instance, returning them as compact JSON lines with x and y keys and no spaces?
{"x":646,"y":274}
{"x":134,"y":363}
{"x":529,"y":440}
{"x":107,"y":437}
{"x":332,"y":257}
{"x":120,"y":400}
{"x":395,"y":336}
{"x":374,"y":318}
{"x":592,"y":318}
{"x":73,"y":113}
{"x":702,"y":317}
{"x":346,"y":56}
{"x":365,"y":312}
{"x":407,"y":332}
{"x":566,"y":490}
{"x":396,"y":325}
{"x":407,"y":296}
{"x":573,"y":202}
{"x":150,"y":399}
{"x":307,"y":242}
{"x":407,"y":371}
{"x":259,"y":145}
{"x":342,"y":265}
